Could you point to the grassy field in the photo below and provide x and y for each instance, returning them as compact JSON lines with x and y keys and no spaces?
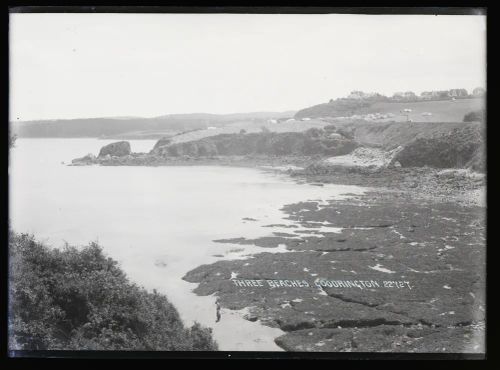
{"x":442,"y":111}
{"x":392,"y":134}
{"x":249,"y":127}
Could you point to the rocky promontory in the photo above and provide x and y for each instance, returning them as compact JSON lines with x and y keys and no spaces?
{"x":311,"y":143}
{"x":338,"y":146}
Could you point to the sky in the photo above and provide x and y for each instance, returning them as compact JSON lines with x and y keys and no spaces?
{"x":98,"y":65}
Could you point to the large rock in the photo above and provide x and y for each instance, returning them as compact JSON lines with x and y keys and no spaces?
{"x":118,"y":149}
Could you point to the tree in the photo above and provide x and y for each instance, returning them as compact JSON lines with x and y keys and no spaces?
{"x":479,"y":91}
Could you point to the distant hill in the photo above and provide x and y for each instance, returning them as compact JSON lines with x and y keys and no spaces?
{"x":421,"y":111}
{"x":136,"y":127}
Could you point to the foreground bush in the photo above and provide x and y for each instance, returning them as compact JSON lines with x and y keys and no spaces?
{"x":79,"y":299}
{"x":475,"y":116}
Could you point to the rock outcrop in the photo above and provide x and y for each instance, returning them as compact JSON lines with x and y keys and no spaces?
{"x":361,"y":147}
{"x":309,"y":143}
{"x":85,"y":160}
{"x":162,"y":142}
{"x":118,"y":149}
{"x":458,"y":148}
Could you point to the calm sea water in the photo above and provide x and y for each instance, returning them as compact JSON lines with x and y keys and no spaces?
{"x":158,"y":222}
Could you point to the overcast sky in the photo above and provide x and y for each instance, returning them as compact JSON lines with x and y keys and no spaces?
{"x":92,"y":65}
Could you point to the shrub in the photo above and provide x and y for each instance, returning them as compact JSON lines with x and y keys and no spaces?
{"x":81,"y":299}
{"x":330,"y":128}
{"x":12,"y":140}
{"x":475,"y":116}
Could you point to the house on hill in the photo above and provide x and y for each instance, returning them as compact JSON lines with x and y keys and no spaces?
{"x":356,"y":95}
{"x":458,"y":93}
{"x":360,"y":95}
{"x":426,"y":95}
{"x":478,"y":92}
{"x":407,"y":95}
{"x":443,"y":94}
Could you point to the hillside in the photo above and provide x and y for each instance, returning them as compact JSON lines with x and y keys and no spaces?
{"x":432,"y":144}
{"x":440,"y":145}
{"x":135,"y":127}
{"x":440,"y":110}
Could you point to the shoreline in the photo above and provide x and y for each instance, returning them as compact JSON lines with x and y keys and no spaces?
{"x":416,"y":191}
{"x":412,"y":225}
{"x":365,"y":229}
{"x":437,"y":184}
{"x":445,"y":304}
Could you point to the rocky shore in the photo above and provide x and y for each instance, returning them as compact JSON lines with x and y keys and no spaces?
{"x":402,"y":275}
{"x":405,"y":273}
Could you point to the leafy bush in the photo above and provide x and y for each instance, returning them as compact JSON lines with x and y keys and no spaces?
{"x":475,"y":116}
{"x":79,"y":299}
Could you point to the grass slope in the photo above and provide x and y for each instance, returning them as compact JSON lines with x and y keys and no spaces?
{"x":441,"y":111}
